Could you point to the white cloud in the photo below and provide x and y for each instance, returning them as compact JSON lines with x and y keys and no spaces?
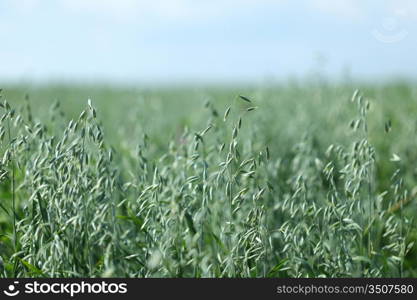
{"x":122,"y":8}
{"x":351,"y":9}
{"x":22,"y":6}
{"x":193,"y":10}
{"x":403,"y":8}
{"x":168,"y":9}
{"x":356,"y":9}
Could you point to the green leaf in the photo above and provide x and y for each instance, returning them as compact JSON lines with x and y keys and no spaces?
{"x":190,"y":223}
{"x":278,"y":268}
{"x":136,"y":220}
{"x":33,"y":269}
{"x":361,"y":259}
{"x":5,"y":210}
{"x":42,"y":208}
{"x":244,"y":98}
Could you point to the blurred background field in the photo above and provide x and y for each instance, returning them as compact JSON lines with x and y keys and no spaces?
{"x":289,"y":110}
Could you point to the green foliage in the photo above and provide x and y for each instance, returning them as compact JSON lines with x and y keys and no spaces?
{"x":271,"y":184}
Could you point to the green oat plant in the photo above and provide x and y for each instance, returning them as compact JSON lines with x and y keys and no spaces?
{"x":217,"y":202}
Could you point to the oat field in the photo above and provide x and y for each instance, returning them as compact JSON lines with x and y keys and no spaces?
{"x":300,"y":179}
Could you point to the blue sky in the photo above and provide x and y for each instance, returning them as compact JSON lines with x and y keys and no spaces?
{"x":220,"y":41}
